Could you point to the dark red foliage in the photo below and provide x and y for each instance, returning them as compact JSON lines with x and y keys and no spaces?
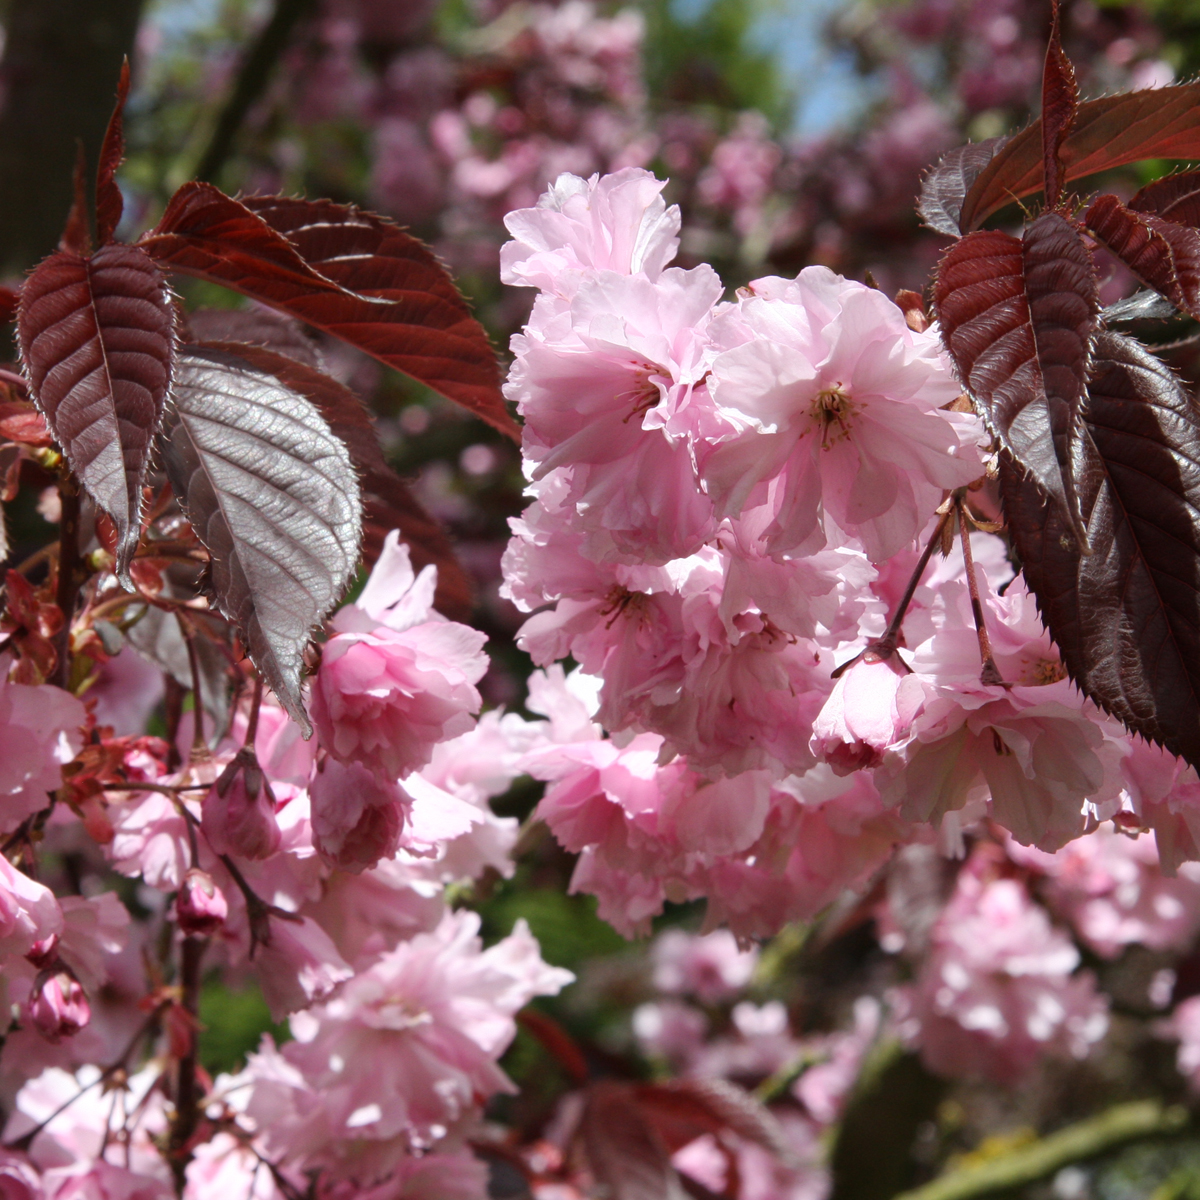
{"x":109,"y":204}
{"x":97,"y":339}
{"x":1060,"y":102}
{"x":394,"y":302}
{"x":1162,"y":254}
{"x":1126,"y":618}
{"x":1017,"y":315}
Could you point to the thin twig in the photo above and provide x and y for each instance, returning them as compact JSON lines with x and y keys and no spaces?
{"x":887,"y":644}
{"x":187,"y":1093}
{"x":70,"y":566}
{"x":990,"y":673}
{"x":199,"y":745}
{"x":251,"y":82}
{"x":147,"y":1026}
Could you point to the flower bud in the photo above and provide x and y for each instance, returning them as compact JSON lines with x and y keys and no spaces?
{"x":200,"y":907}
{"x":59,"y":1007}
{"x":238,"y":814}
{"x":44,"y":951}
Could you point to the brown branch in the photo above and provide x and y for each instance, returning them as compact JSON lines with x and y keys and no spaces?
{"x":70,"y":574}
{"x":256,"y":70}
{"x":187,"y":1092}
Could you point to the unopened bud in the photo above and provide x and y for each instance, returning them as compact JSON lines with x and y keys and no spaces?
{"x":200,"y":907}
{"x":59,"y":1007}
{"x":238,"y":814}
{"x":43,"y":952}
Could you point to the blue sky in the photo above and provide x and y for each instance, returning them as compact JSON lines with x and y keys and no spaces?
{"x":829,"y":94}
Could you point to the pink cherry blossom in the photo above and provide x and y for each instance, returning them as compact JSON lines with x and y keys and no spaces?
{"x":58,"y":1007}
{"x":711,"y":967}
{"x":357,"y":818}
{"x":999,"y":990}
{"x":397,"y":678}
{"x":617,"y":222}
{"x":837,"y":404}
{"x":200,"y":907}
{"x":871,"y":708}
{"x":39,"y":733}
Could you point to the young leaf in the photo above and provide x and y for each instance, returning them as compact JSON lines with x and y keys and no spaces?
{"x":387,"y":309}
{"x":1060,"y":102}
{"x":97,"y":339}
{"x":624,"y":1153}
{"x":1156,"y":123}
{"x":272,"y":495}
{"x":387,"y":502}
{"x":1174,"y":198}
{"x":1017,"y":316}
{"x":109,"y":204}
{"x":1160,"y":253}
{"x":1126,"y":619}
{"x":945,"y":186}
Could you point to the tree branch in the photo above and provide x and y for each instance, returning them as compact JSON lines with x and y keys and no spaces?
{"x":255,"y":74}
{"x":1118,"y":1126}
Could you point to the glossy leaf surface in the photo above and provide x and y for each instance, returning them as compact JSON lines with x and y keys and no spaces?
{"x":1162,"y":254}
{"x":1127,"y":618}
{"x":1017,"y":316}
{"x":273,"y":496}
{"x":386,"y":308}
{"x":109,"y":202}
{"x":1174,"y":198}
{"x":1060,"y":102}
{"x":97,"y":340}
{"x":1157,"y":123}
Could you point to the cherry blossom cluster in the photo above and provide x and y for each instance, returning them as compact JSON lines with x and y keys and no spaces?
{"x":320,"y":867}
{"x":730,"y":501}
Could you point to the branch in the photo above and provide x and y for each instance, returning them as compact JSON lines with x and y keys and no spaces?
{"x":252,"y":81}
{"x":70,"y":570}
{"x":1120,"y":1125}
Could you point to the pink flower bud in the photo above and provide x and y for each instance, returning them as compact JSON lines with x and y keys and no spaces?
{"x":59,"y":1008}
{"x":871,"y":708}
{"x":200,"y":907}
{"x":44,"y":951}
{"x":238,"y":814}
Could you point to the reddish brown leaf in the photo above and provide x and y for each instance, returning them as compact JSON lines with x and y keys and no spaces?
{"x":625,"y":1154}
{"x":387,"y":502}
{"x":260,"y":327}
{"x":387,"y":311}
{"x":21,"y":422}
{"x":1174,"y":198}
{"x":75,"y":236}
{"x":97,"y":339}
{"x":109,"y":204}
{"x":945,"y":186}
{"x":557,"y":1041}
{"x":1126,"y":619}
{"x":8,"y":305}
{"x":1018,"y":316}
{"x":1162,"y":254}
{"x":1158,"y":123}
{"x":684,"y":1109}
{"x":1060,"y":102}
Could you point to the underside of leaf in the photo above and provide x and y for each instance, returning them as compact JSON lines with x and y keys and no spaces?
{"x":387,"y":501}
{"x":395,"y":303}
{"x":1017,"y":316}
{"x":273,"y":496}
{"x":97,"y":339}
{"x":946,"y":185}
{"x":1127,"y":618}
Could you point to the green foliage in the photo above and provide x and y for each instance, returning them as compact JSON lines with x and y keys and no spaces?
{"x":709,"y":58}
{"x":566,"y":927}
{"x":232,"y":1025}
